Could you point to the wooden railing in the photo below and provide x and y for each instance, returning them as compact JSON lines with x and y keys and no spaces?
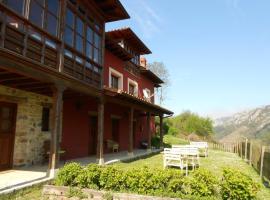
{"x":24,"y":38}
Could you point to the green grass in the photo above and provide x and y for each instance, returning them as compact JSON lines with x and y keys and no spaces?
{"x":216,"y":162}
{"x":171,"y":139}
{"x":31,"y":193}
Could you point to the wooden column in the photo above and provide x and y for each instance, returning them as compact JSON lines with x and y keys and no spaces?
{"x":148,"y":129}
{"x":130,"y":135}
{"x":100,"y":156}
{"x":161,"y":131}
{"x":57,"y":119}
{"x":262,"y":159}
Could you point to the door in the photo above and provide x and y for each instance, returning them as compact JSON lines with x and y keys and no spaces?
{"x":93,"y":135}
{"x":115,"y":130}
{"x":7,"y":134}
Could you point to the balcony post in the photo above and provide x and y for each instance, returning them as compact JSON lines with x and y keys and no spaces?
{"x":149,"y":133}
{"x":56,"y":128}
{"x":100,"y":138}
{"x":130,"y":139}
{"x":161,"y":133}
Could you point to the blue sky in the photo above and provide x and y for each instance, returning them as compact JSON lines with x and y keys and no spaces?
{"x":217,"y":51}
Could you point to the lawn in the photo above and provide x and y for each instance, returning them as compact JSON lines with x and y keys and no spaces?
{"x":216,"y":161}
{"x":32,"y":193}
{"x":171,"y":139}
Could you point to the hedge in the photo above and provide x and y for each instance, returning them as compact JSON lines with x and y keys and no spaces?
{"x":201,"y":184}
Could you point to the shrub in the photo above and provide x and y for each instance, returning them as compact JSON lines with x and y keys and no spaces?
{"x":111,"y":178}
{"x":155,"y":141}
{"x":203,"y":183}
{"x":144,"y":180}
{"x":89,"y":177}
{"x":67,"y":175}
{"x":237,"y":185}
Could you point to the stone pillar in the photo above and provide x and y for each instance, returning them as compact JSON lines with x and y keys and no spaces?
{"x":100,"y":156}
{"x":161,"y":131}
{"x":130,"y":135}
{"x":57,"y":119}
{"x":149,"y":133}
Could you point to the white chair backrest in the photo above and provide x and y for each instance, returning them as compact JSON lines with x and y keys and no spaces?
{"x":199,"y":144}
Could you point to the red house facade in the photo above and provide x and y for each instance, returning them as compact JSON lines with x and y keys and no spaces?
{"x":67,"y":85}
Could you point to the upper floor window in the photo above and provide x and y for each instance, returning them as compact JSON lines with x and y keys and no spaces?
{"x":82,"y":36}
{"x":114,"y":82}
{"x":147,"y":94}
{"x":115,"y":79}
{"x":16,"y":5}
{"x":44,"y":13}
{"x":132,"y":87}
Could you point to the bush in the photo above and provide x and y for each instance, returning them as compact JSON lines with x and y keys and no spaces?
{"x":237,"y":185}
{"x":67,"y":175}
{"x":144,"y":180}
{"x":203,"y":183}
{"x":155,"y":141}
{"x":111,"y":178}
{"x":89,"y":177}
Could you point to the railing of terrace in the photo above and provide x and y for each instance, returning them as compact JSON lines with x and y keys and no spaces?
{"x":20,"y":36}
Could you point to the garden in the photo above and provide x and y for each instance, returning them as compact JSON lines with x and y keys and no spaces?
{"x":222,"y":175}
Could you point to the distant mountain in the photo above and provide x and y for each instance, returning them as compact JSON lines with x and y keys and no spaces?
{"x":254,"y":124}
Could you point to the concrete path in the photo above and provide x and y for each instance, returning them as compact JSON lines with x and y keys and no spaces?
{"x":26,"y":176}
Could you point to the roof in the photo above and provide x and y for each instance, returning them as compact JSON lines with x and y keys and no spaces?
{"x":152,"y":76}
{"x":115,"y":48}
{"x":137,"y":100}
{"x":130,"y":37}
{"x":113,"y":10}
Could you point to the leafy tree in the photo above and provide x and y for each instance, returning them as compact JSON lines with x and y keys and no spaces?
{"x":162,"y":72}
{"x":188,"y":122}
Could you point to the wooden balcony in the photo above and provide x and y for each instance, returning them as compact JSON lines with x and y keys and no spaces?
{"x":25,"y":40}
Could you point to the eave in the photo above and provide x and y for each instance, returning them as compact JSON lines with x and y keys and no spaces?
{"x":130,"y":38}
{"x":113,"y":10}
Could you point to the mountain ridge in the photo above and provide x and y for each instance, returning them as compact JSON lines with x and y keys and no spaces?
{"x":253,"y":124}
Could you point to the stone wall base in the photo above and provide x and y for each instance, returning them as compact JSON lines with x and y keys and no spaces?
{"x":51,"y":192}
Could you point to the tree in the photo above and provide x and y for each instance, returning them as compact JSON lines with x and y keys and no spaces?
{"x":189,"y":122}
{"x":162,"y":72}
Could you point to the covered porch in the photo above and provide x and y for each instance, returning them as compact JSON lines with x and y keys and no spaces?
{"x":21,"y":177}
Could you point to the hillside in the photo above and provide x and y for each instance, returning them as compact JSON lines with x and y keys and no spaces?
{"x":254,"y":124}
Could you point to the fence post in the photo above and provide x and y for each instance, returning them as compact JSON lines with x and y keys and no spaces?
{"x":250,"y":153}
{"x":262,"y":158}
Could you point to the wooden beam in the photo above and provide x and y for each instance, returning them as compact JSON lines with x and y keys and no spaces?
{"x":100,"y":138}
{"x":130,"y":135}
{"x":12,"y":99}
{"x":148,"y":129}
{"x":161,"y":131}
{"x":56,"y":127}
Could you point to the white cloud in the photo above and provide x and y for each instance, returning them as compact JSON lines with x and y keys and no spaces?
{"x":146,"y":17}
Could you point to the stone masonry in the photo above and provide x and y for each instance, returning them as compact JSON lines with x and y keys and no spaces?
{"x":29,"y":138}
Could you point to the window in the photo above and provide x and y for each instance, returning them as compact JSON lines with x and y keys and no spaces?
{"x":82,"y":36}
{"x":16,"y":5}
{"x":115,"y":79}
{"x":131,"y":89}
{"x":147,"y":94}
{"x":114,"y":82}
{"x":44,"y":13}
{"x":45,"y":119}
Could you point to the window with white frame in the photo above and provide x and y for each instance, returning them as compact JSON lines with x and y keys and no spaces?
{"x":132,"y":87}
{"x":147,"y":94}
{"x":115,"y":79}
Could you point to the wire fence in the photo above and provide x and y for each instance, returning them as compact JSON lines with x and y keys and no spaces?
{"x":253,"y":152}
